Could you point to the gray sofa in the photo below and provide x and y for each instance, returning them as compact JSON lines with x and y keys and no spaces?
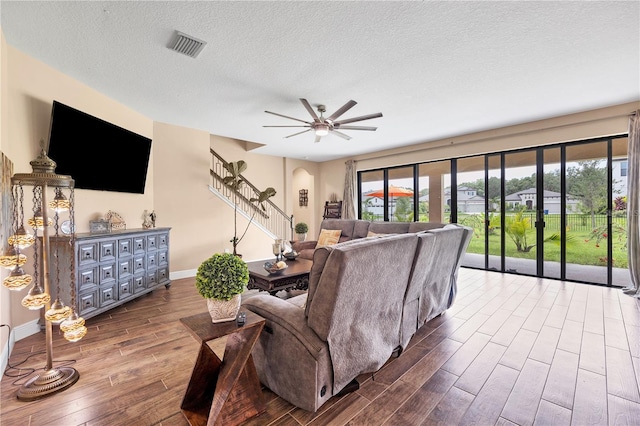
{"x":352,"y":229}
{"x":367,"y":297}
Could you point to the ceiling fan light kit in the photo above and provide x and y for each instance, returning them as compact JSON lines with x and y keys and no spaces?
{"x":323,"y":126}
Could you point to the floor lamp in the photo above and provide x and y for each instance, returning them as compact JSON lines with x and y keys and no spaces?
{"x":52,"y":379}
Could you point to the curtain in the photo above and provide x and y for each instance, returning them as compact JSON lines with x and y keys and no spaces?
{"x":633,"y":205}
{"x":348,"y":200}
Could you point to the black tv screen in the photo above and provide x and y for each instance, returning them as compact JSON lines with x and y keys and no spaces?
{"x":96,"y":154}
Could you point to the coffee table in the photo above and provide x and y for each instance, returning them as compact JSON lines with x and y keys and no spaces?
{"x":295,"y":277}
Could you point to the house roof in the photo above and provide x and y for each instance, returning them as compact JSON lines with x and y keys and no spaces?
{"x":435,"y":69}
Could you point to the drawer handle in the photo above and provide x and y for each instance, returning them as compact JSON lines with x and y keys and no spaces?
{"x":87,"y":279}
{"x":87,"y":303}
{"x":87,"y":255}
{"x":108,"y":252}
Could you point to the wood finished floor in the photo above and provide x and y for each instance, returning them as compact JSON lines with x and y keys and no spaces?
{"x":512,"y":350}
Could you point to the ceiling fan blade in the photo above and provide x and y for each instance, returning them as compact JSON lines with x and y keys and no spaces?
{"x":317,"y":139}
{"x":361,"y":118}
{"x":311,"y":111}
{"x":287,"y":126}
{"x":355,"y":127}
{"x":299,"y":133}
{"x":346,"y":107}
{"x":286,"y":116}
{"x":342,"y":135}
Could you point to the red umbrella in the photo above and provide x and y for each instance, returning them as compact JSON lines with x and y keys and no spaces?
{"x":394,"y":191}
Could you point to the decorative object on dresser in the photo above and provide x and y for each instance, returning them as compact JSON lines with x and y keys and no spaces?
{"x":234,"y":180}
{"x":116,"y":221}
{"x":116,"y":267}
{"x":45,"y":268}
{"x":301,"y":231}
{"x":221,"y":279}
{"x":147,"y":223}
{"x":99,"y":226}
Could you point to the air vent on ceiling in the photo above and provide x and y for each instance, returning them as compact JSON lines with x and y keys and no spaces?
{"x":186,"y":44}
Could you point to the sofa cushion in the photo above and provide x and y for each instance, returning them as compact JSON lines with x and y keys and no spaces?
{"x":389,"y":227}
{"x":424,"y":226}
{"x":328,"y":237}
{"x":360,"y":229}
{"x":344,"y":225}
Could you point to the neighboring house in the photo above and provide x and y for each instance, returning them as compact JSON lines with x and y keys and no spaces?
{"x":468,"y":200}
{"x":527,"y":198}
{"x":619,"y":170}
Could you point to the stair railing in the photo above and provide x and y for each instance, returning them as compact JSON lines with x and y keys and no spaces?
{"x":272,"y":220}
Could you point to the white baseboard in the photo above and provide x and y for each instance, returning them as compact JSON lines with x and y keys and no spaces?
{"x":176,"y":275}
{"x":17,"y":333}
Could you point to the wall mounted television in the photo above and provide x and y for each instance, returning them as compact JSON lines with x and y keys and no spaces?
{"x":98,"y":155}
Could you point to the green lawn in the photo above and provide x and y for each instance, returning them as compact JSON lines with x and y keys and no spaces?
{"x":579,"y":251}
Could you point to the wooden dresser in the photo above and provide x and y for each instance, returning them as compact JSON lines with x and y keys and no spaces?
{"x":111,"y":268}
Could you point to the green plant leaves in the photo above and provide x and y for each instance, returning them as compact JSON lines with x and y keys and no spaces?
{"x":222,"y":276}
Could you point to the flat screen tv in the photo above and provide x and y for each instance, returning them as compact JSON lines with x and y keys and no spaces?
{"x":98,"y":155}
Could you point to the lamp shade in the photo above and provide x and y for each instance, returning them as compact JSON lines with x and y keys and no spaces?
{"x":322,"y":129}
{"x":17,"y":280}
{"x":22,"y":239}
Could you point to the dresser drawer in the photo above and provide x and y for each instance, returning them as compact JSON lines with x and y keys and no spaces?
{"x":107,"y":251}
{"x":125,"y":247}
{"x":88,"y":302}
{"x":108,"y":294}
{"x":87,"y":278}
{"x":125,"y":289}
{"x":87,"y":254}
{"x":125,"y":268}
{"x":139,"y":284}
{"x":139,"y":245}
{"x":107,"y":273}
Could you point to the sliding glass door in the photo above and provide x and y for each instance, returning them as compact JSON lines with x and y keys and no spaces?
{"x":556,"y":211}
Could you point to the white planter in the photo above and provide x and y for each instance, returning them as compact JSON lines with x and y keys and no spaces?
{"x":301,"y":237}
{"x":224,"y":310}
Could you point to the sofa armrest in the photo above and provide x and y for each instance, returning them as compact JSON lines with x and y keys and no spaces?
{"x":303,"y":245}
{"x":286,"y":315}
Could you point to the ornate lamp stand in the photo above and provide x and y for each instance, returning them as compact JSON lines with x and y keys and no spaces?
{"x":53,"y":379}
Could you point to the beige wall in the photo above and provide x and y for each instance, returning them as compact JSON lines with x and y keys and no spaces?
{"x":178,"y":179}
{"x":5,"y":305}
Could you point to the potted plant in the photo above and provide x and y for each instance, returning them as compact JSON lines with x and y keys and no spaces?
{"x":221,"y":279}
{"x":301,"y":230}
{"x":235,"y":180}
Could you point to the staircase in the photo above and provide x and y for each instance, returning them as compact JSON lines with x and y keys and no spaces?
{"x":272,"y":221}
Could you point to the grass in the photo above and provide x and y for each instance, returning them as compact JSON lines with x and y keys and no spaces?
{"x":579,"y":251}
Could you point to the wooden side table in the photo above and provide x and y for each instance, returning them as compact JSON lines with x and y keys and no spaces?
{"x":223,"y":392}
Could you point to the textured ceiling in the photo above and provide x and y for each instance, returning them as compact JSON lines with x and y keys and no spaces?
{"x":434,"y":69}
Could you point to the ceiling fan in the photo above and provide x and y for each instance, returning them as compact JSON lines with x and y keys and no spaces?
{"x":323,"y":126}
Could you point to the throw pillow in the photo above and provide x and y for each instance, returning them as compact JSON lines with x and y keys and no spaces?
{"x":373,"y":234}
{"x":329,"y":237}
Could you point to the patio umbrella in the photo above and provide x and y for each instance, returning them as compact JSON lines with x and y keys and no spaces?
{"x":394,"y":191}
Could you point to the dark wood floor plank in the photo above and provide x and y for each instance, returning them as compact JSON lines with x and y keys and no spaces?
{"x":592,"y":355}
{"x":465,"y":331}
{"x":480,"y":369}
{"x":633,"y":337}
{"x":556,"y":316}
{"x":615,"y":334}
{"x":630,"y":310}
{"x":488,"y":404}
{"x":536,"y":319}
{"x":561,"y":381}
{"x":516,"y":354}
{"x":545,"y":345}
{"x":136,"y":361}
{"x":381,"y":408}
{"x":621,"y":380}
{"x":571,"y":336}
{"x":417,"y":407}
{"x":551,"y":414}
{"x":593,"y":319}
{"x":590,"y":404}
{"x":495,"y":321}
{"x":623,"y":411}
{"x":508,"y":331}
{"x":428,"y":365}
{"x":466,"y":354}
{"x":522,"y":404}
{"x":450,"y":409}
